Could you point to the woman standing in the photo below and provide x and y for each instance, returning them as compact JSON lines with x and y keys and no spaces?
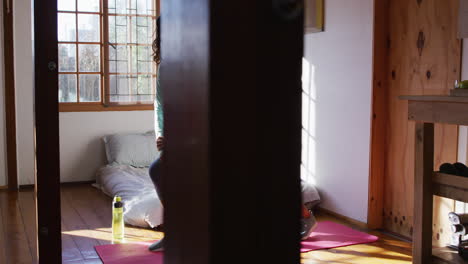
{"x":155,"y":170}
{"x":308,"y":222}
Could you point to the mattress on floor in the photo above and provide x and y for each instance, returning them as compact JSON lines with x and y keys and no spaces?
{"x":142,"y":206}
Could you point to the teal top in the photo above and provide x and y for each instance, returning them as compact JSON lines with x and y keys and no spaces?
{"x":158,"y":107}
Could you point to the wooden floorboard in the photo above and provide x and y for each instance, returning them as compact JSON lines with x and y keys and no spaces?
{"x":3,"y":237}
{"x":70,"y":250}
{"x":388,"y":250}
{"x":72,"y":222}
{"x":83,"y":201}
{"x":27,"y":207}
{"x":86,"y":222}
{"x":17,"y":247}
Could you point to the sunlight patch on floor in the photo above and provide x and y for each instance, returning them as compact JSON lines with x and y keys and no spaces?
{"x":105,"y":234}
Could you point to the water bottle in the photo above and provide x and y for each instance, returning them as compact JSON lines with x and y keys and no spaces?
{"x":117,"y":219}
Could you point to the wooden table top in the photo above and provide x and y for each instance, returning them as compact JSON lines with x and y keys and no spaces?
{"x":435,"y":98}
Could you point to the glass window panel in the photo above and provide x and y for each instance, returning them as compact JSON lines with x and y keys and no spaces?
{"x":118,"y":61}
{"x":118,"y":52}
{"x":143,"y":30}
{"x":118,"y":29}
{"x":67,"y":58}
{"x":119,"y":87}
{"x":134,"y":84}
{"x":141,"y":58}
{"x":143,"y":7}
{"x":118,"y":6}
{"x":111,"y":6}
{"x":132,"y":98}
{"x":121,"y":29}
{"x":144,"y":53}
{"x":112,"y":29}
{"x":144,"y":67}
{"x":88,"y":28}
{"x":133,"y":7}
{"x":66,"y":27}
{"x":67,"y":88}
{"x":133,"y":28}
{"x":90,"y":88}
{"x":89,"y":56}
{"x":134,"y":58}
{"x":118,"y":67}
{"x":145,"y":98}
{"x":66,"y":5}
{"x":144,"y":84}
{"x":88,"y":5}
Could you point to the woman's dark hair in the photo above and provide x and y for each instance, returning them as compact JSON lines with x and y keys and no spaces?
{"x":157,"y":42}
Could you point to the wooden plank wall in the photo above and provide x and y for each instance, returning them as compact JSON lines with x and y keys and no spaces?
{"x":424,"y":58}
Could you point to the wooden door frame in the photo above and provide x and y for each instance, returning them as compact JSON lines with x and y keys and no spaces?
{"x":47,"y":132}
{"x":379,"y":116}
{"x":10,"y":104}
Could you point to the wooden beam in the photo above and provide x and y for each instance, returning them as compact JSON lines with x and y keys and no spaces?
{"x":438,"y":112}
{"x":379,"y":116}
{"x":10,"y":105}
{"x":423,"y":170}
{"x":47,"y":131}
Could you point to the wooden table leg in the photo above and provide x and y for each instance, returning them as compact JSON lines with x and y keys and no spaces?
{"x":424,"y":166}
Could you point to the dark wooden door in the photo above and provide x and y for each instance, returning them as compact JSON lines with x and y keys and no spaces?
{"x":231,"y":78}
{"x":47,"y":131}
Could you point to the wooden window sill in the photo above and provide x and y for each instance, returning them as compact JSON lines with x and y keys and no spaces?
{"x":65,"y":107}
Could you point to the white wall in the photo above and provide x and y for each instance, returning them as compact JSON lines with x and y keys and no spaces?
{"x":81,"y":147}
{"x":24,"y":83}
{"x":337,"y":106}
{"x":3,"y":168}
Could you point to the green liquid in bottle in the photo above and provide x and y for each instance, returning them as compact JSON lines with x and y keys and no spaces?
{"x":118,"y":226}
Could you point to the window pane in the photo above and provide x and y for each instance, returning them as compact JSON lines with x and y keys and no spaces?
{"x":89,"y":58}
{"x":144,"y":84}
{"x":131,"y":66}
{"x":122,"y":93}
{"x":88,"y":28}
{"x":112,"y":29}
{"x":142,"y":29}
{"x":90,"y":88}
{"x":140,"y":89}
{"x":143,"y":7}
{"x":67,"y":58}
{"x":142,"y":59}
{"x":67,"y":88}
{"x":118,"y":31}
{"x":118,"y":61}
{"x":119,"y":86}
{"x":118,"y":6}
{"x":88,"y":5}
{"x":66,"y":27}
{"x":66,"y":5}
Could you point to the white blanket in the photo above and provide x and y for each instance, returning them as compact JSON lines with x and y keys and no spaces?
{"x":142,"y":206}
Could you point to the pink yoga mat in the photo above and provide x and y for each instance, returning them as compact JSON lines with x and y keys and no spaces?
{"x":129,"y":254}
{"x":327,"y":235}
{"x":332,"y":235}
